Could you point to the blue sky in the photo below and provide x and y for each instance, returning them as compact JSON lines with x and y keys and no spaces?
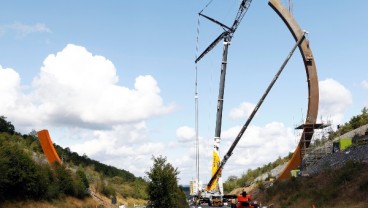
{"x":115,"y":80}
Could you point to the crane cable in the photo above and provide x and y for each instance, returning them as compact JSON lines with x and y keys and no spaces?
{"x":196,"y":96}
{"x":196,"y":105}
{"x":206,"y":6}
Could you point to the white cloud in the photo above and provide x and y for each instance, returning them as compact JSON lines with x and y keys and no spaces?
{"x":259,"y":146}
{"x":185,"y":134}
{"x":364,"y":84}
{"x":77,"y":91}
{"x":334,"y":100}
{"x":76,"y":85}
{"x":242,"y":111}
{"x":9,"y":87}
{"x":22,"y":30}
{"x":14,"y":104}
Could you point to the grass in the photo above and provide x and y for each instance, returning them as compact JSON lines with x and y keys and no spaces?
{"x":345,"y":186}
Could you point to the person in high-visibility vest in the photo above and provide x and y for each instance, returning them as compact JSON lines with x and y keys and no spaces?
{"x":244,"y":200}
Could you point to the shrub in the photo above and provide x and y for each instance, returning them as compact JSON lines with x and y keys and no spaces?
{"x":364,"y":186}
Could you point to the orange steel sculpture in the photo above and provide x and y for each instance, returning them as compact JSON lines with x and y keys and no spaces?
{"x":313,"y":92}
{"x":47,"y":147}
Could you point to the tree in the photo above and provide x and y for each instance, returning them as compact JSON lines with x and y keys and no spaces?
{"x":6,"y":126}
{"x":20,"y":176}
{"x":163,"y":189}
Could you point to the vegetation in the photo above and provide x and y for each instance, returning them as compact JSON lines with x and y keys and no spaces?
{"x":355,"y":122}
{"x":248,"y":178}
{"x":21,"y":177}
{"x":337,"y":188}
{"x":6,"y":126}
{"x":26,"y":175}
{"x":163,"y":189}
{"x":106,"y":170}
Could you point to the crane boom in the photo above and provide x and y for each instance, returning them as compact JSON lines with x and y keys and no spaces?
{"x":227,"y":35}
{"x":217,"y":174}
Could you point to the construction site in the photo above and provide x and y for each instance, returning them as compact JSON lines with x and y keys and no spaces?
{"x":317,"y":148}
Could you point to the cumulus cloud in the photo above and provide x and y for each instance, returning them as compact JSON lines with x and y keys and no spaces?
{"x":185,"y":134}
{"x":110,"y":147}
{"x":334,"y":100}
{"x":76,"y":85}
{"x":14,"y":104}
{"x":260,"y":145}
{"x":242,"y":111}
{"x":9,"y":87}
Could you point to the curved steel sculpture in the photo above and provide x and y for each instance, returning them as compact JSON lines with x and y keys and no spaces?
{"x":313,"y":92}
{"x":47,"y":147}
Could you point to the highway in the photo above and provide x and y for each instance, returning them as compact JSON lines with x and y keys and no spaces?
{"x":204,"y":206}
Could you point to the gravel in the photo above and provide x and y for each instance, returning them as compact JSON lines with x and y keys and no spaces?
{"x":338,"y":159}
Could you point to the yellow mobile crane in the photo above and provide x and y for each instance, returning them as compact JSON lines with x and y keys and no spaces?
{"x":214,"y":191}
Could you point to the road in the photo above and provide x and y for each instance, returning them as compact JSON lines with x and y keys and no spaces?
{"x":205,"y":206}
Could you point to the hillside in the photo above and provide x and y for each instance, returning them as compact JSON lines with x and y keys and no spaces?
{"x":27,"y":179}
{"x":336,"y":186}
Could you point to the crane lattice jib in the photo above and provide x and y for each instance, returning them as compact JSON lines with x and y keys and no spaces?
{"x":228,"y":34}
{"x":241,"y":12}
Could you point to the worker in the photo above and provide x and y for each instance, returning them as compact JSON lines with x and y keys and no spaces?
{"x":244,"y":200}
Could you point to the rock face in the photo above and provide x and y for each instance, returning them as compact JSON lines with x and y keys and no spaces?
{"x":274,"y":173}
{"x":358,"y":131}
{"x":338,"y":159}
{"x":329,"y":160}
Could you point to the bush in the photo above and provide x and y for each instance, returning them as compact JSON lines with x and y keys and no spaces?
{"x":64,"y":180}
{"x":20,"y":176}
{"x":108,"y":191}
{"x":347,"y":172}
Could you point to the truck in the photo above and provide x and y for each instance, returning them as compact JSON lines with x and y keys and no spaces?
{"x":216,"y":201}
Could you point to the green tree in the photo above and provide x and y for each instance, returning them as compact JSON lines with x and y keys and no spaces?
{"x":6,"y":126}
{"x":230,"y":184}
{"x":163,"y":189}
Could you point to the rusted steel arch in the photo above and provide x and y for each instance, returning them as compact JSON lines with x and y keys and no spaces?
{"x":313,"y":92}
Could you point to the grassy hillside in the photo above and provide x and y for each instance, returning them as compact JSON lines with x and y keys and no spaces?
{"x":344,"y":187}
{"x":27,"y":178}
